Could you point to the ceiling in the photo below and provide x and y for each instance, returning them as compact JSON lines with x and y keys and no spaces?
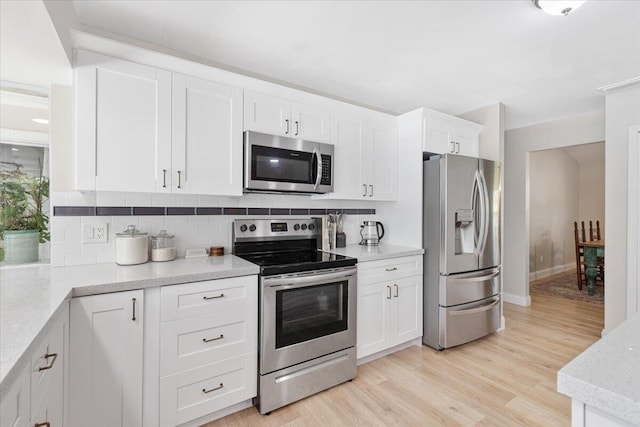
{"x":452,"y":56}
{"x":30,"y":51}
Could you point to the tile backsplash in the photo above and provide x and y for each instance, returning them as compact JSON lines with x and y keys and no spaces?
{"x":196,"y":221}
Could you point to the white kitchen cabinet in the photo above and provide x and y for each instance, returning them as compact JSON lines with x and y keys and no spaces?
{"x":123,"y":119}
{"x":209,"y":342}
{"x":366,"y":159}
{"x":448,"y":134}
{"x":106,"y":356}
{"x":278,"y":116}
{"x":389,"y":303}
{"x":15,"y":409}
{"x":206,"y":144}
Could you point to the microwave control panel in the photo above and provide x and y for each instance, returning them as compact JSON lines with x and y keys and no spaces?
{"x":326,"y":170}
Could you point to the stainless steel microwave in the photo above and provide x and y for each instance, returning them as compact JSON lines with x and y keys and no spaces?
{"x":279,"y":164}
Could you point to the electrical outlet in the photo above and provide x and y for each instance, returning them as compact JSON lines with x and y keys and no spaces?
{"x":95,"y":232}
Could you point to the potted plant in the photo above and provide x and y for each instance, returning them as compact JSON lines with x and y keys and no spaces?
{"x":23,"y":220}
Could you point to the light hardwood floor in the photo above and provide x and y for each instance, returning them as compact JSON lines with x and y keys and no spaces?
{"x":506,"y":379}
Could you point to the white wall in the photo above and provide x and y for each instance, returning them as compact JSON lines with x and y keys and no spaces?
{"x":622,"y":112}
{"x":492,"y":135}
{"x":553,"y":206}
{"x":62,"y":151}
{"x":519,"y":143}
{"x":591,"y":186}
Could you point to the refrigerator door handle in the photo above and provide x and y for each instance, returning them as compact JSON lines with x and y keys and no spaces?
{"x":475,"y":279}
{"x":476,"y":310}
{"x":477,"y":192}
{"x":486,"y":213}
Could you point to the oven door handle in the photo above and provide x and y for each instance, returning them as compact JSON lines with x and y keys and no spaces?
{"x":298,"y":282}
{"x":316,"y":153}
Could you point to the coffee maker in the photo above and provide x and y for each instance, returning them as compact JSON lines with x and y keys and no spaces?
{"x":371,"y":232}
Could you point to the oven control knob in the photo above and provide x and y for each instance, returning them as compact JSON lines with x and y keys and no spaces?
{"x":296,"y":227}
{"x":304,"y":227}
{"x":243,"y":228}
{"x":252,"y":227}
{"x":312,"y":226}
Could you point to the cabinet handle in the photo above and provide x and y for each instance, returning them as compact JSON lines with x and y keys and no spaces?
{"x":164,"y":178}
{"x":297,"y":128}
{"x":133,"y":309}
{"x":391,"y":269}
{"x":213,"y":339}
{"x":286,"y":132}
{"x":364,"y":186}
{"x":371,"y":188}
{"x":179,"y":179}
{"x":457,"y":147}
{"x":205,"y":391}
{"x":44,"y":424}
{"x":396,"y":293}
{"x":49,"y":365}
{"x":218,"y":296}
{"x":388,"y":292}
{"x":453,"y":147}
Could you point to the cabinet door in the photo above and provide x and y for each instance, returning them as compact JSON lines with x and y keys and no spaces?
{"x":311,"y":123}
{"x":408,"y":294}
{"x":206,"y":137}
{"x":267,"y":114}
{"x":14,"y":406}
{"x":348,"y":134}
{"x":106,"y":353}
{"x":124,"y":121}
{"x":375,"y":311}
{"x":382,"y":181}
{"x":467,"y":140}
{"x":438,"y":136}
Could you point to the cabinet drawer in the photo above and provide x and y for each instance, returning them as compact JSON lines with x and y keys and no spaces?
{"x":47,"y":361}
{"x":389,"y":269}
{"x":199,"y":392}
{"x":207,"y":297}
{"x":202,"y":340}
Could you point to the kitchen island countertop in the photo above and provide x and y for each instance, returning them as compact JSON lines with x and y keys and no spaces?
{"x":606,"y":376}
{"x":373,"y":253}
{"x":32,"y":297}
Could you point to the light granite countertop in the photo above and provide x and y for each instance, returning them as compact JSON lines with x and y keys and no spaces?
{"x":31,"y":297}
{"x":373,"y":253}
{"x":606,"y":376}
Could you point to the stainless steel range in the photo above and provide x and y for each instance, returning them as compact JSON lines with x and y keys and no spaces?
{"x":307,"y":304}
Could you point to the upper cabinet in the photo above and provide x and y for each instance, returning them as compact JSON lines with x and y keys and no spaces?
{"x":142,"y":129}
{"x":366,"y":159}
{"x":448,"y":134}
{"x":278,"y":116}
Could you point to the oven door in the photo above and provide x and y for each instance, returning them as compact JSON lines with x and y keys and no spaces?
{"x":275,"y":163}
{"x":306,"y":315}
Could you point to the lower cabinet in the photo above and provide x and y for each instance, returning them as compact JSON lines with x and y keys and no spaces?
{"x":389,"y":303}
{"x":15,"y":405}
{"x":106,"y":358}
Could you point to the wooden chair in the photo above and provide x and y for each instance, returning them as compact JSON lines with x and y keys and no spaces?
{"x":594,"y":234}
{"x":580,"y":236}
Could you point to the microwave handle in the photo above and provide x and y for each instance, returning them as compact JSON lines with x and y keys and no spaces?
{"x":316,"y":153}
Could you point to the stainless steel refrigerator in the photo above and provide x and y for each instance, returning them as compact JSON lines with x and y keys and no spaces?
{"x":461,"y":218}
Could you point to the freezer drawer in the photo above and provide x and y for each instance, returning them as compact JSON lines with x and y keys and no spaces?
{"x":466,"y":287}
{"x":467,"y":322}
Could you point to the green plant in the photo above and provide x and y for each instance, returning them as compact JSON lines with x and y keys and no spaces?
{"x":22,"y":203}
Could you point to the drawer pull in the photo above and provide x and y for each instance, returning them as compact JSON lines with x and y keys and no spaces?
{"x":208,"y":298}
{"x":44,"y":424}
{"x":133,"y":309}
{"x":213,"y":339}
{"x":396,"y":292}
{"x":50,"y":365}
{"x":205,"y":391}
{"x":391,"y":269}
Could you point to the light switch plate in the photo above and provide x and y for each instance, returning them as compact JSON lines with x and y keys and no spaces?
{"x":95,"y":232}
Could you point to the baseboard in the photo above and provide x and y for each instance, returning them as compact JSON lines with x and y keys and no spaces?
{"x":516,"y":299}
{"x":546,"y":272}
{"x":378,"y":355}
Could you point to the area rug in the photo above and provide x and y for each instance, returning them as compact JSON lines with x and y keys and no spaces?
{"x":565,"y":285}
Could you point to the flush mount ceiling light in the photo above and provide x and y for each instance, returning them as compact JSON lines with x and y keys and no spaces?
{"x":558,"y":7}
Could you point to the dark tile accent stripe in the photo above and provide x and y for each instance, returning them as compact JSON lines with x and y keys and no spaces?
{"x":181,"y":211}
{"x":279,"y":211}
{"x":334,"y":211}
{"x":234,"y":211}
{"x":366,"y":211}
{"x":74,"y":210}
{"x":149,"y":210}
{"x":350,"y":211}
{"x":317,"y":211}
{"x":258,"y":211}
{"x":114,"y":211}
{"x":299,"y":211}
{"x":208,"y":211}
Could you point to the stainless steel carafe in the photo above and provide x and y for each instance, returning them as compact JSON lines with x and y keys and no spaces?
{"x":371,"y":233}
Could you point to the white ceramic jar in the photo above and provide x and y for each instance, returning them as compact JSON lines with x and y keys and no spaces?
{"x":132,"y":247}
